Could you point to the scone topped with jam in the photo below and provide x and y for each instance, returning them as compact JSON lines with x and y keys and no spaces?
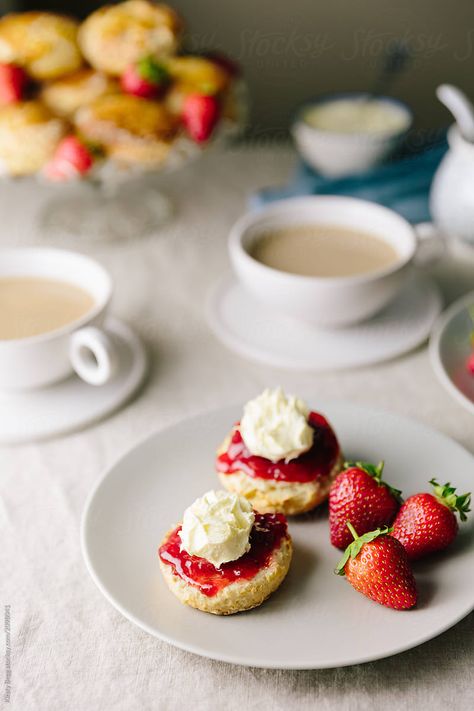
{"x":225,"y":557}
{"x":281,"y":456}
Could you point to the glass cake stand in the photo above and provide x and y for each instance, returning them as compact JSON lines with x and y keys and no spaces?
{"x":115,"y":204}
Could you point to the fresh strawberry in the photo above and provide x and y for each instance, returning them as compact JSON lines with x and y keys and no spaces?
{"x":470,"y":360}
{"x":426,"y":523}
{"x":146,"y":78}
{"x":200,"y":115}
{"x":470,"y":364}
{"x":13,"y":81}
{"x":358,"y":494}
{"x":377,"y":565}
{"x":71,"y":159}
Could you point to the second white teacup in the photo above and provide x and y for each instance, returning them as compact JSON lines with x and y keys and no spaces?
{"x":324,"y":301}
{"x":81,"y":345}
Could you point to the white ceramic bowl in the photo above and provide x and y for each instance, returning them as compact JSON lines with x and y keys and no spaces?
{"x":323,"y":301}
{"x":450,"y":347}
{"x":336,"y":153}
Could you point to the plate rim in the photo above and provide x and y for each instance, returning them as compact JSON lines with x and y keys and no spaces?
{"x":226,"y":658}
{"x":244,"y":350}
{"x":434,"y":349}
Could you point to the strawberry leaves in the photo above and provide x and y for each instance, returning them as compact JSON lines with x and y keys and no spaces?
{"x":154,"y":72}
{"x":375,"y":471}
{"x":354,"y":548}
{"x":446,"y":494}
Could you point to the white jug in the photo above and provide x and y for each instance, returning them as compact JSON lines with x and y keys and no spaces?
{"x":452,"y":190}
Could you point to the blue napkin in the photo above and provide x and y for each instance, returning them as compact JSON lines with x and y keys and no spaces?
{"x":402,"y":184}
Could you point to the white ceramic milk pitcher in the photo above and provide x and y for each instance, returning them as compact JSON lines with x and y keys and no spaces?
{"x":452,"y":190}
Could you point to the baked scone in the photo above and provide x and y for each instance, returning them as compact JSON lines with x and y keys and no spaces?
{"x":132,"y":130}
{"x":235,"y":585}
{"x":43,"y":43}
{"x":29,"y":135}
{"x":65,"y":96}
{"x":115,"y":36}
{"x":198,"y":73}
{"x":290,"y":481}
{"x":192,"y":75}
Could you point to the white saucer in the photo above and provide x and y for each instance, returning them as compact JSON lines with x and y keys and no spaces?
{"x":450,"y":348}
{"x":72,"y":404}
{"x":256,"y":332}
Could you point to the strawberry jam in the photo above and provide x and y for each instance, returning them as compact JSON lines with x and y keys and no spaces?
{"x":316,"y":463}
{"x":266,"y":535}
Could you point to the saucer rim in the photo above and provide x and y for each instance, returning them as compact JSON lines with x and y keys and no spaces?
{"x":138,"y":369}
{"x":255,"y":354}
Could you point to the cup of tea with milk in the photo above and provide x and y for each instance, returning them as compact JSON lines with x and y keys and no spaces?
{"x":53,"y":307}
{"x":331,"y":261}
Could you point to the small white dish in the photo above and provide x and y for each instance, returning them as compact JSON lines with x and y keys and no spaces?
{"x":257,"y":332}
{"x":72,"y":404}
{"x":450,"y":348}
{"x":324,"y":301}
{"x":315,"y":620}
{"x":336,"y":153}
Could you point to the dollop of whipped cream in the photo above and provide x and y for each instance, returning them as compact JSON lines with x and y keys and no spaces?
{"x":275,"y":426}
{"x":217,"y":527}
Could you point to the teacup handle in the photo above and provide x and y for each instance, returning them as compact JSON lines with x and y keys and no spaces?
{"x":93,"y":355}
{"x":431,"y":244}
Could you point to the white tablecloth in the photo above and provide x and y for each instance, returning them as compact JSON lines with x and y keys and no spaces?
{"x":70,"y":649}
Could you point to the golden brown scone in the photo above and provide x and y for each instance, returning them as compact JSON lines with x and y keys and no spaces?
{"x":198,"y":74}
{"x":271,"y":496}
{"x":64,"y":96}
{"x":29,"y":134}
{"x":115,"y":36}
{"x":132,"y":130}
{"x":238,"y":596}
{"x":175,"y":97}
{"x":43,"y":43}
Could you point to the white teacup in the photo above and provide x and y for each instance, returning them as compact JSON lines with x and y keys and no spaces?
{"x":324,"y":301}
{"x":82,"y":346}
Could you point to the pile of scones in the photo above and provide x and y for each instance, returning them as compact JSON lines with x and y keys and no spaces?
{"x":73,"y":85}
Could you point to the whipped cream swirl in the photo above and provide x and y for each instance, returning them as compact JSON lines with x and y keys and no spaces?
{"x":275,"y":426}
{"x":217,"y":527}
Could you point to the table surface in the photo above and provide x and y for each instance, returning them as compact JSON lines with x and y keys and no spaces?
{"x":70,"y":649}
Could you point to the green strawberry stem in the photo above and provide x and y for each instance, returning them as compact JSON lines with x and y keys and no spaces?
{"x":352,"y":530}
{"x":153,"y":71}
{"x":447,"y":495}
{"x":375,"y":471}
{"x":354,"y":548}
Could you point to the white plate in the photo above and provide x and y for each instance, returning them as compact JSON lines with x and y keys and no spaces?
{"x":315,"y":619}
{"x":73,"y":404}
{"x":450,"y":348}
{"x":256,"y":332}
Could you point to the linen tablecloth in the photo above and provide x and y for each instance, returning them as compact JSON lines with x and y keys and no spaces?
{"x":70,"y":650}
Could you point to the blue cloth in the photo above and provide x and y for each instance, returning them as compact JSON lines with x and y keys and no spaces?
{"x":401,"y":184}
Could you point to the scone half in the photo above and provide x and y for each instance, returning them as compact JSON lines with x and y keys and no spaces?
{"x":237,"y":596}
{"x":287,"y":497}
